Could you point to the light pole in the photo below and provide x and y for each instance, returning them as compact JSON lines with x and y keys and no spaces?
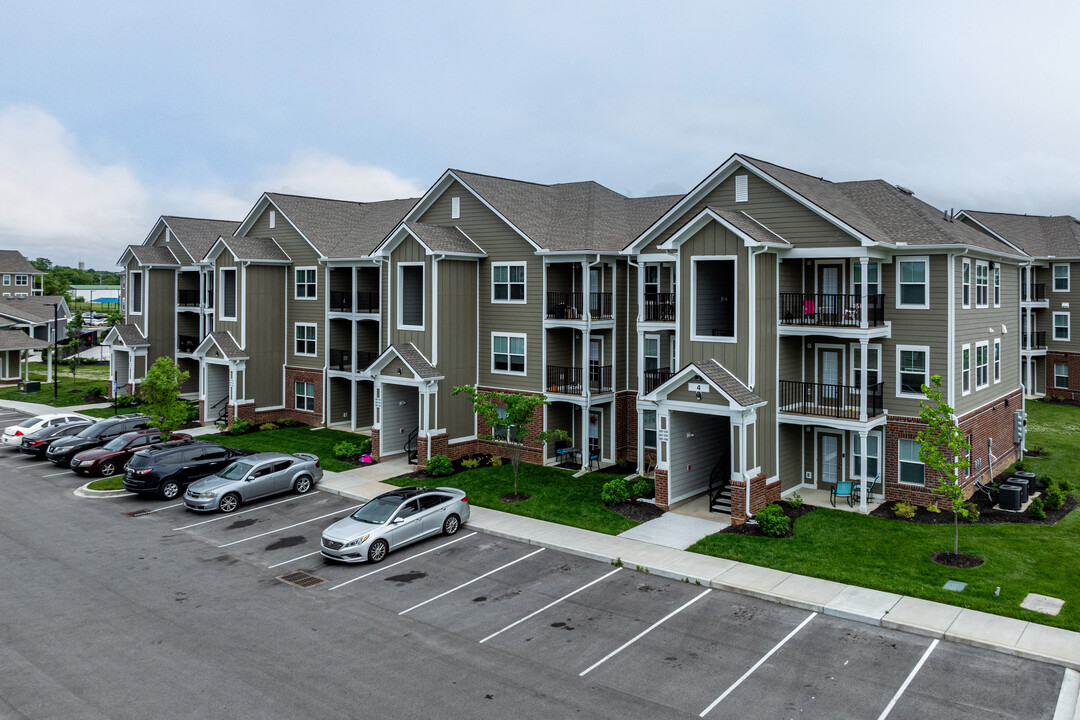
{"x":56,"y":345}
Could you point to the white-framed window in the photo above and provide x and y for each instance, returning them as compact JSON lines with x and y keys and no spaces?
{"x":508,"y":353}
{"x":304,"y":396}
{"x":652,"y":352}
{"x":306,"y":283}
{"x":911,"y":470}
{"x":982,"y":284}
{"x":1061,"y":326}
{"x":714,"y":290}
{"x":508,"y":282}
{"x":228,"y":293}
{"x":742,"y":188}
{"x":982,"y":365}
{"x":305,"y":340}
{"x":648,"y":428}
{"x":455,"y":208}
{"x":912,"y":370}
{"x":652,"y":279}
{"x":22,"y":280}
{"x":873,"y":456}
{"x":7,"y":279}
{"x":1061,"y":277}
{"x":913,"y":283}
{"x":965,"y":369}
{"x":873,"y":365}
{"x":965,"y":283}
{"x":410,"y":296}
{"x":997,"y":286}
{"x":136,"y":291}
{"x":873,"y":282}
{"x":997,"y":360}
{"x":1061,"y":375}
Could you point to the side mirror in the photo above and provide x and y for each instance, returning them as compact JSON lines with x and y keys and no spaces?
{"x":397,"y":520}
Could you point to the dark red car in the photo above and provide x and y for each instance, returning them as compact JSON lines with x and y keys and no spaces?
{"x":110,"y":458}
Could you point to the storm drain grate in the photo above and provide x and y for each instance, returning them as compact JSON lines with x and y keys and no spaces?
{"x":302,"y":579}
{"x":139,"y":513}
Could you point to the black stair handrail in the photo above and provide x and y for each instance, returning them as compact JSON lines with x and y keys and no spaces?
{"x":719,"y":479}
{"x":410,"y":445}
{"x":224,"y":411}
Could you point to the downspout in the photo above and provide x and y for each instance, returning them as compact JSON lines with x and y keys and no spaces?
{"x":952,"y":326}
{"x":587,"y":294}
{"x":326,"y":342}
{"x":751,"y":318}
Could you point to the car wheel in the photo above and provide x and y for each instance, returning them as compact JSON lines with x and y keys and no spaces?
{"x":377,"y":551}
{"x":451,"y":525}
{"x":169,"y":490}
{"x":107,"y":469}
{"x":303,"y":484}
{"x":229,"y":503}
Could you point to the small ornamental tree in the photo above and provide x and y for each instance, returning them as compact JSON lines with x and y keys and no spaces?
{"x":160,"y":392}
{"x":942,"y":447}
{"x":73,"y":327}
{"x":512,"y":412}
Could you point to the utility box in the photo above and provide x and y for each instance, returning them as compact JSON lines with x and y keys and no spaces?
{"x":1019,"y":426}
{"x":29,"y":386}
{"x":1021,"y":483}
{"x":1009,"y":497}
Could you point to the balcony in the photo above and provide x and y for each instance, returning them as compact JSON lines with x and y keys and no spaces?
{"x":1034,"y":341}
{"x":657,"y":377}
{"x":570,"y":305}
{"x":341,"y":360}
{"x":187,"y":297}
{"x":568,"y":380}
{"x":659,"y":307}
{"x":1037,"y":293}
{"x":187,"y":343}
{"x":831,"y":401}
{"x":824,"y":310}
{"x":343,"y":301}
{"x":601,"y":305}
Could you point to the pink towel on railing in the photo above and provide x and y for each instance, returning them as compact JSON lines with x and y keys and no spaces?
{"x":808,"y":307}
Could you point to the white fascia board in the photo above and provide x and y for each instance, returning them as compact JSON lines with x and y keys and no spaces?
{"x":123,"y":261}
{"x":679,"y":377}
{"x":962,"y":214}
{"x":402,"y":231}
{"x":364,"y":261}
{"x":701,"y":220}
{"x":155,"y":230}
{"x":254,"y":213}
{"x":875,"y":252}
{"x":973,"y":251}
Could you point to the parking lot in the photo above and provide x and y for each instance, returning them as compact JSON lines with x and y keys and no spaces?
{"x":594,"y":628}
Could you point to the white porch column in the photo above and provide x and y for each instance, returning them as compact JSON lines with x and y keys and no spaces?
{"x":352,"y":404}
{"x":864,"y":371}
{"x":583,"y":439}
{"x":864,"y":266}
{"x":863,"y":456}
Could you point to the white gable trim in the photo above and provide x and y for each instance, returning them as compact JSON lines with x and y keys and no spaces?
{"x":387,"y":356}
{"x":962,"y":214}
{"x":402,"y":231}
{"x":209,"y":340}
{"x":701,"y":220}
{"x":256,"y":211}
{"x":661,"y":391}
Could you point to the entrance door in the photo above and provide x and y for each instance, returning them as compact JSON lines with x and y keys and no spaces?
{"x":596,"y":420}
{"x":596,"y":354}
{"x":829,"y":293}
{"x":829,"y":364}
{"x":829,"y":469}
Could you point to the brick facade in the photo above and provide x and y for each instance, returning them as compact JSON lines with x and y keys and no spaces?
{"x":534,"y":452}
{"x":626,"y":427}
{"x":761,"y":494}
{"x":308,"y":417}
{"x":661,"y":488}
{"x":1073,"y":361}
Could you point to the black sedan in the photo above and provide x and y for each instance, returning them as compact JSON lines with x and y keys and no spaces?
{"x":37,"y":442}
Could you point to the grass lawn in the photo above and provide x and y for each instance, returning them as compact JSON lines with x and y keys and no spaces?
{"x":65,"y":395}
{"x":894,"y":556}
{"x":555,"y":495}
{"x":293,"y":440}
{"x":110,"y":483}
{"x":108,"y":412}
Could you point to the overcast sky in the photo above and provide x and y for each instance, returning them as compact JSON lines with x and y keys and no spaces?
{"x":112,"y":114}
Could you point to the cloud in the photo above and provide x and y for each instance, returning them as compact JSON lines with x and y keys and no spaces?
{"x":315,"y":173}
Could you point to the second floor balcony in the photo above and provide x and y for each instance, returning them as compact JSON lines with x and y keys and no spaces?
{"x":187,"y":343}
{"x":362,"y":301}
{"x":831,"y":310}
{"x":658,"y":307}
{"x":828,"y":400}
{"x":571,"y":305}
{"x":187,"y":297}
{"x":342,"y":359}
{"x":1034,"y":340}
{"x":570,"y":380}
{"x":1037,"y":293}
{"x":656,"y":377}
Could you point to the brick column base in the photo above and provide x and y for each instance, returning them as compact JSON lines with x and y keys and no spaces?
{"x":660,"y":478}
{"x":375,"y":444}
{"x":738,"y":502}
{"x":202,"y":410}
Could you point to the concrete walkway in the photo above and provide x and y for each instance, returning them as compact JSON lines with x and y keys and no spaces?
{"x":922,"y":617}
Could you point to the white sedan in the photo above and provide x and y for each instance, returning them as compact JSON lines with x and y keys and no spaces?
{"x":12,"y":436}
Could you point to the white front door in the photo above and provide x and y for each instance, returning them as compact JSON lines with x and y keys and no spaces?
{"x":830,"y":372}
{"x":829,"y":458}
{"x":596,"y":417}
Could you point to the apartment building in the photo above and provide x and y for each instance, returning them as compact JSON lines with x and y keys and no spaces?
{"x":765,"y":332}
{"x":18,"y":278}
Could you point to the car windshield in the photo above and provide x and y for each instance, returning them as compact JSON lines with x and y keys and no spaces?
{"x":93,"y":430}
{"x":117,"y":443}
{"x":236,"y":471}
{"x":378,"y":510}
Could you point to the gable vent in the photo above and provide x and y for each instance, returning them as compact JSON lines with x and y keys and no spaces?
{"x":455,"y":208}
{"x":742,"y":192}
{"x":273,"y":219}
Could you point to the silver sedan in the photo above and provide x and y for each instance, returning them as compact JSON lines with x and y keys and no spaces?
{"x":253,"y":477}
{"x":393,"y":520}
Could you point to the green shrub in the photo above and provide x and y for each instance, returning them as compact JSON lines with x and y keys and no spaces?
{"x":439,"y":466}
{"x":794,"y":500}
{"x":772,"y":520}
{"x":288,"y":422}
{"x":123,"y":401}
{"x":614,"y":491}
{"x":972,"y":512}
{"x":1054,"y":498}
{"x":239,"y":426}
{"x":470,"y":463}
{"x":495,"y":461}
{"x":1036,"y":508}
{"x":642,"y":488}
{"x":934,"y":509}
{"x":365,"y":445}
{"x":267,"y":426}
{"x":346,"y":449}
{"x":193,"y":412}
{"x":904,"y":510}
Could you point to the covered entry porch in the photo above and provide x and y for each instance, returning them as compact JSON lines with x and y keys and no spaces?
{"x":406,"y":406}
{"x":222,"y":369}
{"x":591,"y":427}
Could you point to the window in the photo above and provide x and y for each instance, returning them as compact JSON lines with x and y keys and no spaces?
{"x":410,"y":296}
{"x":982,"y":365}
{"x":305,"y":396}
{"x":21,"y":280}
{"x":965,"y":296}
{"x":911,"y":281}
{"x":742,"y":192}
{"x":499,"y":431}
{"x":1061,"y":326}
{"x":873,"y":365}
{"x":136,"y":291}
{"x":912,"y":369}
{"x":911,"y":468}
{"x":997,"y":286}
{"x":273,"y":219}
{"x":873,"y":456}
{"x":228,"y":294}
{"x":455,"y":208}
{"x":306,"y":283}
{"x":652,"y":279}
{"x":873,"y":285}
{"x":1061,"y":375}
{"x":997,"y":360}
{"x":508,"y":282}
{"x":1061,"y":277}
{"x":508,"y":353}
{"x":652,"y":352}
{"x":7,"y":279}
{"x":714,"y":291}
{"x":965,"y":370}
{"x":982,"y":284}
{"x":305,"y":338}
{"x":648,"y":424}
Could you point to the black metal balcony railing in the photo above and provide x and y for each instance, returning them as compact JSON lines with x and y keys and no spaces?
{"x":187,"y":343}
{"x":830,"y":310}
{"x":367,"y":301}
{"x":1037,"y":294}
{"x":565,"y":305}
{"x":601,"y":305}
{"x":656,"y":378}
{"x":568,"y":380}
{"x":340,"y":360}
{"x":835,"y":401}
{"x":186,"y":297}
{"x":659,"y":307}
{"x":364,"y":358}
{"x":1035,"y":340}
{"x":342,"y":301}
{"x":600,"y":378}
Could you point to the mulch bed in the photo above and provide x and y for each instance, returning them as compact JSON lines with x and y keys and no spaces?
{"x":639,"y":511}
{"x":988,"y":515}
{"x":514,"y":497}
{"x":753,"y":530}
{"x":957,"y":560}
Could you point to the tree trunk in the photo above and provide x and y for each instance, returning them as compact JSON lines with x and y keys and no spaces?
{"x":956,"y":534}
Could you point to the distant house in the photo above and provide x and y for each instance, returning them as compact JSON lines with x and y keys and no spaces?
{"x":18,"y":278}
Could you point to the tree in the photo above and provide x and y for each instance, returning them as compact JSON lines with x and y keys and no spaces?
{"x":512,"y":412}
{"x":74,"y":326}
{"x":160,"y":392}
{"x":942,"y":447}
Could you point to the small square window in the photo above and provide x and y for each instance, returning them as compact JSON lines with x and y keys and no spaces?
{"x":21,"y":280}
{"x":304,"y":396}
{"x":305,"y":339}
{"x":306,"y":283}
{"x":1061,"y":277}
{"x":1061,"y":375}
{"x":508,"y":282}
{"x":508,"y":353}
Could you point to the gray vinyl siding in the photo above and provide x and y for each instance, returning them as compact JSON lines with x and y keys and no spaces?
{"x":191,"y":367}
{"x":772,"y":208}
{"x":339,"y":335}
{"x":365,"y":403}
{"x":791,"y":457}
{"x":160,"y":313}
{"x":411,"y":251}
{"x":340,"y":399}
{"x":265,"y":334}
{"x":1059,"y":302}
{"x":367,"y":337}
{"x":456,"y":310}
{"x":700,"y":453}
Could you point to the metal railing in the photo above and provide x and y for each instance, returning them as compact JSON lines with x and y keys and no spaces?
{"x":600,"y":378}
{"x":364,"y":358}
{"x":1037,"y":294}
{"x":835,"y":401}
{"x":601,"y":305}
{"x":340,"y":301}
{"x":365,"y":301}
{"x":569,"y":380}
{"x":1035,"y":340}
{"x":656,"y":378}
{"x":186,"y":297}
{"x":565,"y":305}
{"x":829,"y":310}
{"x":187,"y":343}
{"x":659,"y":307}
{"x":340,"y":360}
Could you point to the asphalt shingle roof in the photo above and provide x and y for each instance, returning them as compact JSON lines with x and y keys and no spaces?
{"x":19,"y":340}
{"x":198,"y":235}
{"x":441,"y":238}
{"x":750,"y":226}
{"x":416,"y":360}
{"x":227,"y":344}
{"x":255,"y":248}
{"x":728,"y":383}
{"x":342,"y":228}
{"x":154,"y":255}
{"x":34,"y":308}
{"x":130,"y":334}
{"x":1038,"y":235}
{"x":13,"y":261}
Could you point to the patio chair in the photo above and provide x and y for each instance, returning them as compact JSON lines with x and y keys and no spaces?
{"x":562,"y":451}
{"x":843,"y":488}
{"x":870,"y":488}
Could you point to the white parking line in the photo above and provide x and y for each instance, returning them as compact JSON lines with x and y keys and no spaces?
{"x":490,"y":572}
{"x":907,"y":681}
{"x":756,"y":665}
{"x":288,"y":527}
{"x":56,"y":474}
{"x":260,"y":507}
{"x":271,"y":567}
{"x":642,"y":634}
{"x":387,"y":567}
{"x":167,"y":507}
{"x":551,"y":604}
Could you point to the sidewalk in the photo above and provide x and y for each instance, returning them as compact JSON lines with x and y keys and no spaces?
{"x":921,"y":617}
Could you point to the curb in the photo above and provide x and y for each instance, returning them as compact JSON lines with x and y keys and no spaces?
{"x":86,"y":492}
